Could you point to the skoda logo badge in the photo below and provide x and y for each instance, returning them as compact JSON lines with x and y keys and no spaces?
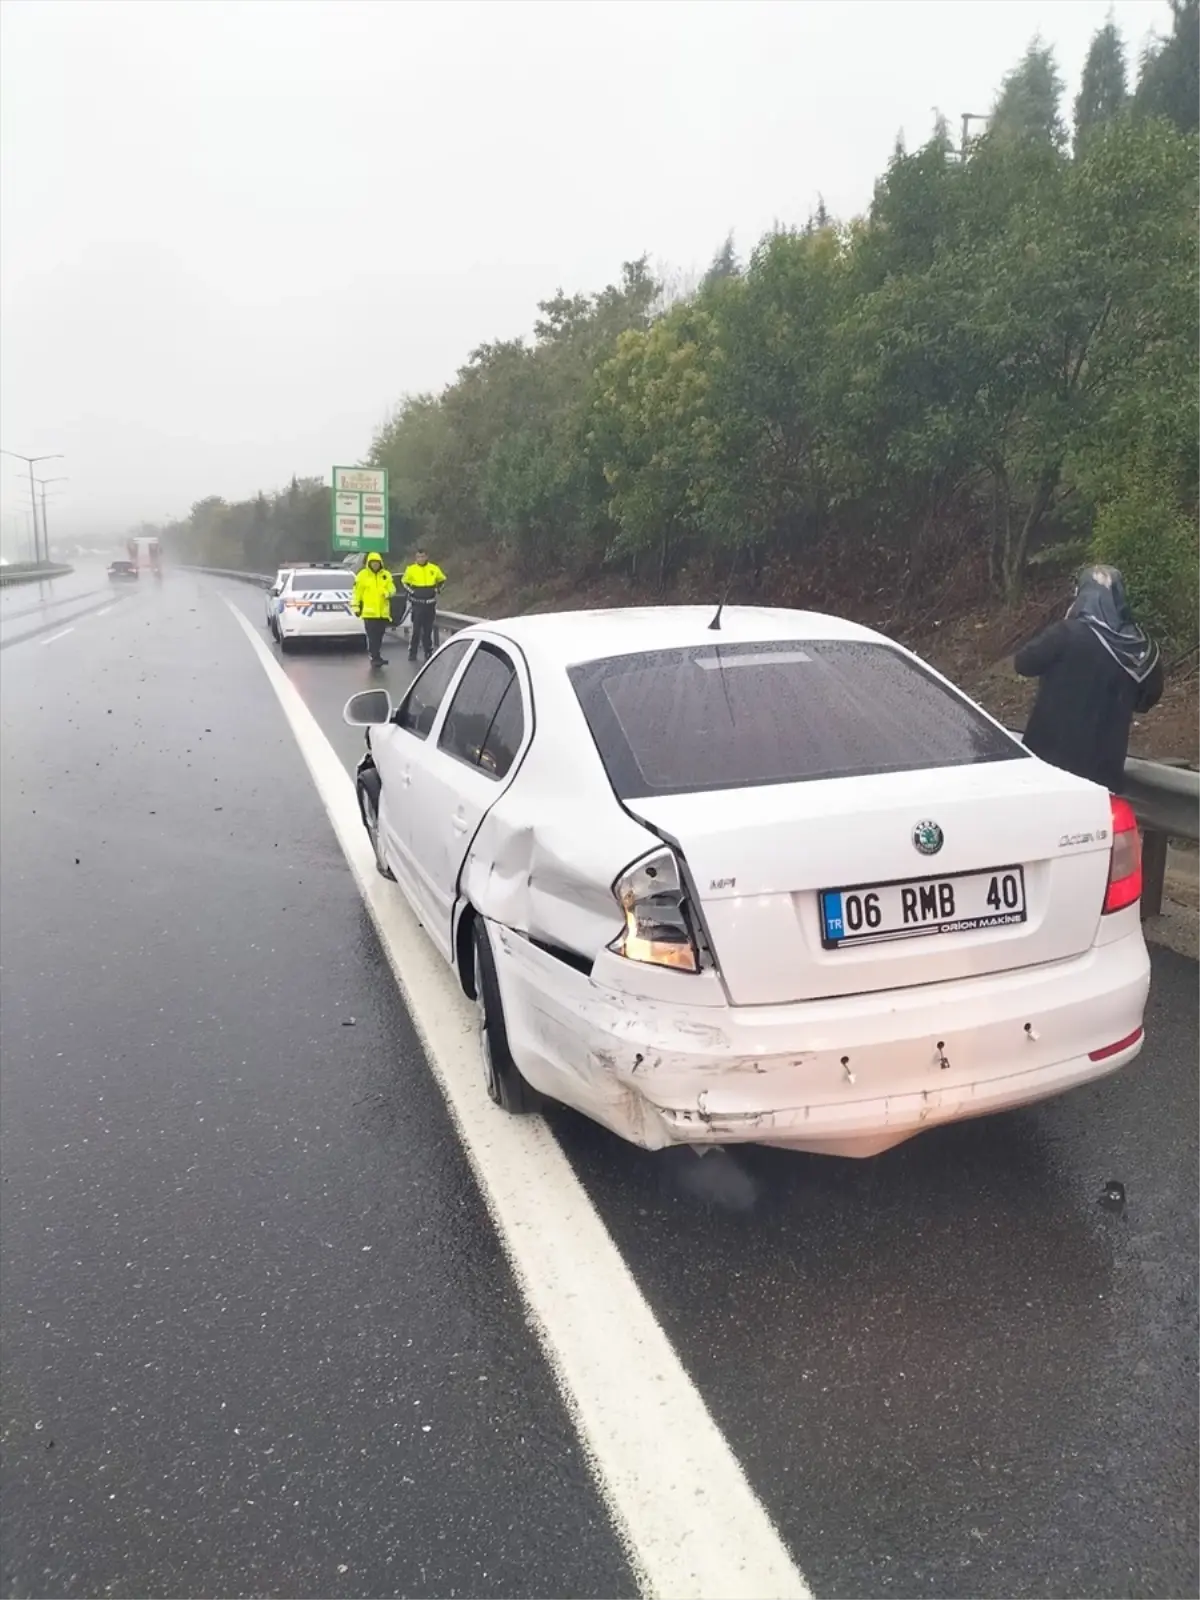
{"x":928,"y":838}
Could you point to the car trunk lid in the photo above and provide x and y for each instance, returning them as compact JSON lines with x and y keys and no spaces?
{"x":1022,"y":847}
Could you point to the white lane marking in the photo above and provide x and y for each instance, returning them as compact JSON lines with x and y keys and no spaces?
{"x":692,"y":1527}
{"x":103,"y":612}
{"x":55,"y":636}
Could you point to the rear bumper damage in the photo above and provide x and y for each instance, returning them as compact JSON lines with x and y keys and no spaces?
{"x":849,"y":1076}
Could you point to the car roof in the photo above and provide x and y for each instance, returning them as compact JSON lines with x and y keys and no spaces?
{"x":314,"y":568}
{"x":566,"y":637}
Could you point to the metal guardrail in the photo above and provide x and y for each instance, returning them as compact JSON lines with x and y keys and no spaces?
{"x":1166,"y":801}
{"x":259,"y":578}
{"x":1165,"y":795}
{"x":33,"y":571}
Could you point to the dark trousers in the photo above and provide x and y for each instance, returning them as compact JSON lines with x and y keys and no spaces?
{"x":423,"y":612}
{"x":375,"y":627}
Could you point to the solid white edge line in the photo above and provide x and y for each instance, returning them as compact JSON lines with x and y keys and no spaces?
{"x":55,"y":636}
{"x":691,"y":1526}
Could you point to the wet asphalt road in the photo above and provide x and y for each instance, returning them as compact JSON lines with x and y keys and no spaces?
{"x":251,"y":1295}
{"x":30,"y":610}
{"x":258,"y":1334}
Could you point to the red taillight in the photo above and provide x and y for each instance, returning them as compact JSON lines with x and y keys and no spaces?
{"x":1125,"y":858}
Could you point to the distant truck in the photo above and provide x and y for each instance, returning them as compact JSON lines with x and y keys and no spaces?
{"x":145,"y":553}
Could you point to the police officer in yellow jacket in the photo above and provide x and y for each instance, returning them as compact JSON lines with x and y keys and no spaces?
{"x":373,"y":589}
{"x":422,"y":582}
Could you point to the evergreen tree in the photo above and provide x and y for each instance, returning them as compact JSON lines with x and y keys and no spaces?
{"x":1104,"y":89}
{"x":1169,"y":84}
{"x":1027,"y":106}
{"x":724,"y":264}
{"x":817,"y":219}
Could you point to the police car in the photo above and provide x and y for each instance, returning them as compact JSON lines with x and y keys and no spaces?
{"x":314,"y":603}
{"x":272,"y":597}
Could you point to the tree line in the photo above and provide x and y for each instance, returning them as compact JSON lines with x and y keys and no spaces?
{"x":995,"y":366}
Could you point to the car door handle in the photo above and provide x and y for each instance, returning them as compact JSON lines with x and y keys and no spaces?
{"x":458,"y":822}
{"x":405,"y":778}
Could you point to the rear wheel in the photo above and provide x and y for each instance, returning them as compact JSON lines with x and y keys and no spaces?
{"x":370,"y":786}
{"x":501,"y":1075}
{"x":285,"y":644}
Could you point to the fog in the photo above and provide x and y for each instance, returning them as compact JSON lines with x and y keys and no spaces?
{"x":233,"y":235}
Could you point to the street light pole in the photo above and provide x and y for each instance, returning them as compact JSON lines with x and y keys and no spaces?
{"x":30,"y":462}
{"x":37,"y":554}
{"x":45,"y":524}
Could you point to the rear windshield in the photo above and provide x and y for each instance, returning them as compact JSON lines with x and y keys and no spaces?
{"x":737,"y":715}
{"x":322,"y":580}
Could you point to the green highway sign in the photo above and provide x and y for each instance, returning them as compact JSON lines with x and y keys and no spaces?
{"x":360,"y":508}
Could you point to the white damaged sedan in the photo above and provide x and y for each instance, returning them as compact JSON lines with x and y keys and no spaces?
{"x":772,"y":881}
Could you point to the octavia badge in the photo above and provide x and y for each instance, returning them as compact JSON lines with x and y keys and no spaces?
{"x":928,"y":838}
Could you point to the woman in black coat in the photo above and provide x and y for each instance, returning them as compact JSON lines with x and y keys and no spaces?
{"x":1096,"y":670}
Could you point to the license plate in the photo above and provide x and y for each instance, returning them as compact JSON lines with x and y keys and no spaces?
{"x":329,"y":605}
{"x":961,"y":902}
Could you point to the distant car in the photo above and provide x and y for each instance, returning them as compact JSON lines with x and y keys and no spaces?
{"x":780,"y":883}
{"x":272,"y":598}
{"x":122,"y":571}
{"x":314,"y":603}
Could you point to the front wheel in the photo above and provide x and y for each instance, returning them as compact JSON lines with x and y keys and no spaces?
{"x":370,"y":787}
{"x":501,"y":1075}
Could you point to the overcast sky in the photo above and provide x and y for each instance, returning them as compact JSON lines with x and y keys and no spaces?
{"x":232,"y":235}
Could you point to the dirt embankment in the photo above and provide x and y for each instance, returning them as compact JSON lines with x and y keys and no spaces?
{"x":969,"y":639}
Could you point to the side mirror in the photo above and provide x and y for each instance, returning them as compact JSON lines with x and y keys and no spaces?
{"x":275,"y":590}
{"x":368,"y":709}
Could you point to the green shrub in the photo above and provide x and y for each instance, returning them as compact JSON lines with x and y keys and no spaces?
{"x":1157,"y":548}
